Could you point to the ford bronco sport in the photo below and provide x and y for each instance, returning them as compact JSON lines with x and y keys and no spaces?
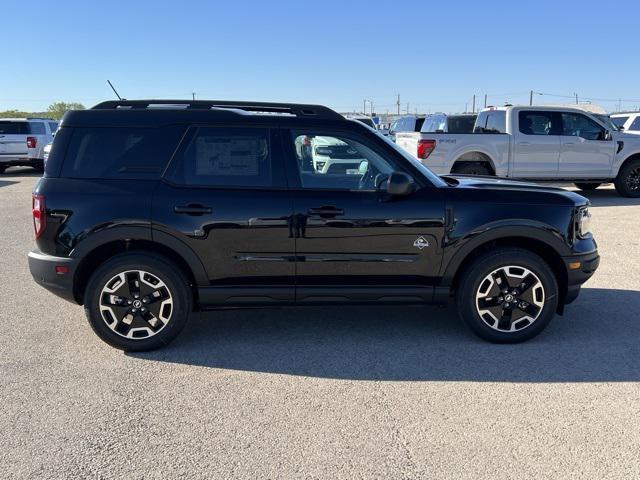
{"x":149,"y":210}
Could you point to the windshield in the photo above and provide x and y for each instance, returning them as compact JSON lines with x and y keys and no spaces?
{"x":435,"y":179}
{"x":608,"y":121}
{"x":619,"y":121}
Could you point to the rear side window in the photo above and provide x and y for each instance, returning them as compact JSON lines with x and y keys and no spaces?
{"x":418,"y":124}
{"x":13,"y":128}
{"x":461,"y":124}
{"x":37,"y":128}
{"x":120,"y":152}
{"x":619,"y":121}
{"x":53,"y":126}
{"x":216,"y":156}
{"x":538,"y":123}
{"x":636,"y":124}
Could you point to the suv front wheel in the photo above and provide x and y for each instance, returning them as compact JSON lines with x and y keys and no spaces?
{"x":507,"y":295}
{"x":628,"y":180}
{"x":137,"y":301}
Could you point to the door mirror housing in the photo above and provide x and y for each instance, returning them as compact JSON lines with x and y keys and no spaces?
{"x":400,"y":184}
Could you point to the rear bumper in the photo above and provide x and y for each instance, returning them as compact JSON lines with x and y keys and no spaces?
{"x":577,"y":276}
{"x":43,"y":271}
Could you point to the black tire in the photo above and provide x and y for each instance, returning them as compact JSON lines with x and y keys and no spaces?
{"x":475,"y":277}
{"x":2,"y":169}
{"x":587,"y":187}
{"x":473,"y":169}
{"x":159,"y":268}
{"x":628,"y":180}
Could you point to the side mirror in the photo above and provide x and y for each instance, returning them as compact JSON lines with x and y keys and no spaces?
{"x":607,"y":135}
{"x":400,"y":184}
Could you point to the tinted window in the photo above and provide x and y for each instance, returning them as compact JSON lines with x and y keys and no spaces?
{"x":120,"y":152}
{"x":636,"y":124}
{"x":337,"y":162}
{"x":496,"y":122}
{"x":367,"y":121}
{"x":418,"y":124}
{"x":619,"y":121}
{"x":37,"y":128}
{"x":577,"y":125}
{"x":13,"y":128}
{"x":53,"y":126}
{"x":461,"y":124}
{"x":537,"y":123}
{"x":239,"y":157}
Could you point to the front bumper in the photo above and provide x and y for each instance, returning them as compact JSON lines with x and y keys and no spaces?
{"x":580,"y":268}
{"x":44,"y":272}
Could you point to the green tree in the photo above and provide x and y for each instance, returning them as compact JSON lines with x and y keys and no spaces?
{"x":57,"y":109}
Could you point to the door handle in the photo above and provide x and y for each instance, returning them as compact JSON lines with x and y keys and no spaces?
{"x":326,"y":211}
{"x":192,"y":209}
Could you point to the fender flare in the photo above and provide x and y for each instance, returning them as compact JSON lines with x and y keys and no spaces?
{"x":539,"y":232}
{"x":102,"y":237}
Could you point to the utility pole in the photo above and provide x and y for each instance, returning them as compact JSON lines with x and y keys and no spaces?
{"x":473,"y":109}
{"x":485,"y":100}
{"x":530,"y":97}
{"x":407,"y":108}
{"x":398,"y":104}
{"x":371,"y":104}
{"x":364,"y":107}
{"x":576,"y":98}
{"x":193,"y":95}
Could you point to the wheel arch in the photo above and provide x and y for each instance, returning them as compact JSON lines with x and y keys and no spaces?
{"x":163,"y":245}
{"x":540,"y":245}
{"x":630,"y":158}
{"x":474,"y":156}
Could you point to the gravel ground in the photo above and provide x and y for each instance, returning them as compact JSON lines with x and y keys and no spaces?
{"x":323,"y":392}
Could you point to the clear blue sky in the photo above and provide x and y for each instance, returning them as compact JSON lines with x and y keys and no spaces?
{"x":435,"y":54}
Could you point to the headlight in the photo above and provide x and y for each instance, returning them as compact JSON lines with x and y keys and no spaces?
{"x":583,"y":224}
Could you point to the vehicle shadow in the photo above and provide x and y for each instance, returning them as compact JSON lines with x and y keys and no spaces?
{"x":595,"y":341}
{"x":5,"y":183}
{"x":21,"y":172}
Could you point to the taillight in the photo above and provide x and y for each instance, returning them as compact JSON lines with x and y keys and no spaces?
{"x":39,"y":216}
{"x":425,"y":147}
{"x":306,"y":141}
{"x":32,"y":142}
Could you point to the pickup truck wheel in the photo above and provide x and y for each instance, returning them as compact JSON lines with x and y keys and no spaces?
{"x":137,"y":301}
{"x":472,"y":169}
{"x":586,"y":187}
{"x":508,"y":295}
{"x":628,"y":180}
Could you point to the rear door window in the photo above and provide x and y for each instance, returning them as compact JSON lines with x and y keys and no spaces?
{"x":13,"y":128}
{"x":53,"y":126}
{"x":224,"y":157}
{"x":538,"y":123}
{"x":619,"y":121}
{"x":120,"y":152}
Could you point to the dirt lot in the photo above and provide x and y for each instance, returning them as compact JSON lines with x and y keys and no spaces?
{"x":323,"y":393}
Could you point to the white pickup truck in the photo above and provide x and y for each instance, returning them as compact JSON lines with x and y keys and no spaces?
{"x":535,"y":143}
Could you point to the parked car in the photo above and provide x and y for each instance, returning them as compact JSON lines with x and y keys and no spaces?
{"x":368,"y":121}
{"x":443,"y":123}
{"x":22,"y":141}
{"x":409,"y":123}
{"x":535,"y":143}
{"x":145,"y":214}
{"x":629,"y":122}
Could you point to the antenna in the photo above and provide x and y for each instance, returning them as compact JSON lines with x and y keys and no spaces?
{"x":115,"y":91}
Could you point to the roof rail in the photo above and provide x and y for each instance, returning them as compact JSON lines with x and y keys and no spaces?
{"x":299,"y":110}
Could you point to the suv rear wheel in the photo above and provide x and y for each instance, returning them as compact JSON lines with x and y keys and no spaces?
{"x":628,"y":179}
{"x":507,"y":295}
{"x":472,"y":169}
{"x":137,"y":301}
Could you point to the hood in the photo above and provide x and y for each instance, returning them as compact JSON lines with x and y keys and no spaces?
{"x":510,"y":187}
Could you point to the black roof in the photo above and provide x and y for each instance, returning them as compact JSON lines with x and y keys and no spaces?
{"x":156,"y":112}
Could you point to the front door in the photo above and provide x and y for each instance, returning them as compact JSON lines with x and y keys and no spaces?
{"x":354,"y":242}
{"x":586,"y":150}
{"x":224,"y":196}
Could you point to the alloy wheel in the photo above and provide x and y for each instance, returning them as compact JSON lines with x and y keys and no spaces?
{"x":510,"y":298}
{"x":633,"y":179}
{"x":136,"y":304}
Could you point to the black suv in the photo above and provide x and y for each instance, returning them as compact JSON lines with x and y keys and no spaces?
{"x":149,"y":210}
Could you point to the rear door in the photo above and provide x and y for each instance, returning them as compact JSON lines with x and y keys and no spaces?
{"x":13,"y":139}
{"x":586,"y":152}
{"x":352,"y":241}
{"x":536,"y":144}
{"x":224,"y":195}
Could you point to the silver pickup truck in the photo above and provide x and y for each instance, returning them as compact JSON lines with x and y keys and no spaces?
{"x":535,"y":143}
